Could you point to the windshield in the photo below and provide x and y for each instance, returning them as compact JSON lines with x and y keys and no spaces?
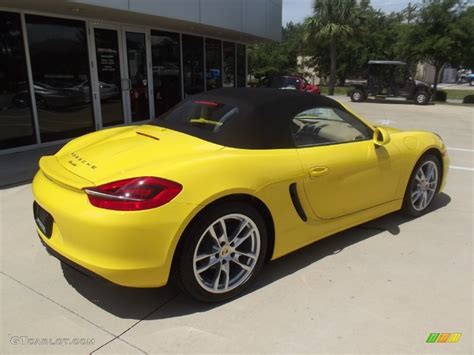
{"x":209,"y":116}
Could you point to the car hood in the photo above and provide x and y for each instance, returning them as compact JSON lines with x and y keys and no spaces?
{"x":123,"y":152}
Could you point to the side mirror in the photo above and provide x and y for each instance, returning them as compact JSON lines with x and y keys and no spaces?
{"x":381,"y":136}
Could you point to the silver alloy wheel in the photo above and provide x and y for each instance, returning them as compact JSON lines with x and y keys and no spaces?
{"x":424,"y":186}
{"x":226,"y":253}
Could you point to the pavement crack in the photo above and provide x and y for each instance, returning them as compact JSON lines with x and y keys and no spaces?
{"x":73,"y":312}
{"x":135,"y":324}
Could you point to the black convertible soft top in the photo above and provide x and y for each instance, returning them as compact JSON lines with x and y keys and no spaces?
{"x":264,"y":118}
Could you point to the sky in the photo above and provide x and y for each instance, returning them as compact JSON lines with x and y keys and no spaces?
{"x":297,"y":10}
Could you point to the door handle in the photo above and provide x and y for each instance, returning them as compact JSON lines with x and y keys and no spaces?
{"x":126,"y":84}
{"x":318,"y":171}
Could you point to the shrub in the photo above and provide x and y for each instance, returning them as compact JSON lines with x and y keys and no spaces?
{"x":469,"y":99}
{"x":440,"y":96}
{"x":253,"y":83}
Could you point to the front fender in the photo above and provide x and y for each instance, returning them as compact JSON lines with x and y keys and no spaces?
{"x":415,"y":144}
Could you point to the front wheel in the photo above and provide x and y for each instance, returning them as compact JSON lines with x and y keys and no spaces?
{"x":423,"y":186}
{"x":222,"y":252}
{"x":422,"y":98}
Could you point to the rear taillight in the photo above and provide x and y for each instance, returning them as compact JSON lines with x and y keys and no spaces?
{"x":133,"y":194}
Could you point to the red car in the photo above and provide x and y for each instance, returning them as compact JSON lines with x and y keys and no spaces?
{"x":293,"y":82}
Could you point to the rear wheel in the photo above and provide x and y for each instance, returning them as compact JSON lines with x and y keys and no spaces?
{"x":358,"y":95}
{"x":423,"y":186}
{"x":223,"y":251}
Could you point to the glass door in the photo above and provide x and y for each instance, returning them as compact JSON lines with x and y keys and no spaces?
{"x":137,"y":73}
{"x":109,"y":91}
{"x":121,"y":76}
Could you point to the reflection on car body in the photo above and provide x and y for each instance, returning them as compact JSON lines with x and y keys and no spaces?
{"x":54,"y":96}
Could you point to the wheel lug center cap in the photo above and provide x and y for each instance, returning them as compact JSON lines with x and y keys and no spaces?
{"x":225,"y":251}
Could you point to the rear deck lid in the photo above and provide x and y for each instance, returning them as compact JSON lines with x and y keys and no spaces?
{"x":54,"y":170}
{"x":98,"y":160}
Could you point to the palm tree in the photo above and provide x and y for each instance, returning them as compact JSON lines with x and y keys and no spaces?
{"x":332,"y":21}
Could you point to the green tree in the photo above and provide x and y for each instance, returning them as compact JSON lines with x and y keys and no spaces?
{"x":436,"y":36}
{"x":410,"y":12}
{"x":464,"y":31}
{"x":343,"y":35}
{"x":376,"y":39}
{"x":268,"y":59}
{"x":333,"y":21}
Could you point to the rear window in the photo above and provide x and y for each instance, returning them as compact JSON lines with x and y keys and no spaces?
{"x":208,"y":116}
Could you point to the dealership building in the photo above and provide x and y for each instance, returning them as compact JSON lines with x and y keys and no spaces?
{"x":71,"y":67}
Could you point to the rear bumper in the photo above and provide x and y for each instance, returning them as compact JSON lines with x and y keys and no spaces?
{"x":71,"y":263}
{"x":132,"y":249}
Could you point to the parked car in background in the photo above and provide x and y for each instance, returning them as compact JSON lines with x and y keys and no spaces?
{"x":462,"y":76}
{"x":293,"y":82}
{"x":52,"y":96}
{"x":470,"y":79}
{"x":63,"y":95}
{"x":389,"y":78}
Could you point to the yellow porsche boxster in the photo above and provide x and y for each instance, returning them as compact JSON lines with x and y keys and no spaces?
{"x":223,"y":182}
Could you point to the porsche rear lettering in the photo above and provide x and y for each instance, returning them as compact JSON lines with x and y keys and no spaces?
{"x":78,"y":159}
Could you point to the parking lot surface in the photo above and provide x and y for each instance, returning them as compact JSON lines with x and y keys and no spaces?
{"x":380,"y":287}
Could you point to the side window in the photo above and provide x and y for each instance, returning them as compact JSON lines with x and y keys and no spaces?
{"x":327,"y":125}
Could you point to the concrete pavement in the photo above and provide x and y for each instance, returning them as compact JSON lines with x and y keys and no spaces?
{"x":19,"y":168}
{"x":463,"y":86}
{"x":380,"y":287}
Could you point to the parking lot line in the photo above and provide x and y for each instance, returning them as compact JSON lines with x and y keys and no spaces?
{"x":461,"y":149}
{"x":460,"y":168}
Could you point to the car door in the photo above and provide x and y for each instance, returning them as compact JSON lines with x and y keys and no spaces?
{"x":345,"y":171}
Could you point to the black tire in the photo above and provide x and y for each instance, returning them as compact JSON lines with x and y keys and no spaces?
{"x":409,"y":207}
{"x":422,"y":98}
{"x":195,"y":285}
{"x":358,"y":95}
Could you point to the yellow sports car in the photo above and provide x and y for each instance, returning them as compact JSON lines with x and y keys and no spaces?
{"x":224,"y":181}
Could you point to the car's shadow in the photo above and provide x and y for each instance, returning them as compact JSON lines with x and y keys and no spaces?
{"x":133,"y":303}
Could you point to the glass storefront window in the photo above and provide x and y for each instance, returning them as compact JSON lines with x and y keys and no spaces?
{"x":213,"y":64}
{"x":108,"y":72}
{"x":241,"y":65}
{"x":229,"y":64}
{"x":166,"y":70}
{"x":15,"y":101}
{"x":193,"y":64}
{"x":61,"y":78}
